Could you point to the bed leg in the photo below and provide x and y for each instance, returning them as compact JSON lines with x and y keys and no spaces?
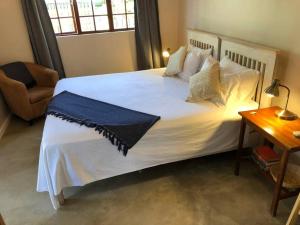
{"x":61,"y":198}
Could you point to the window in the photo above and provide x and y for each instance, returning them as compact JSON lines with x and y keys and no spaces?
{"x":90,"y":16}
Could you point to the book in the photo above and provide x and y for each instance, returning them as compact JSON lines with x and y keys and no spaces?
{"x":267,"y":154}
{"x":265,"y":157}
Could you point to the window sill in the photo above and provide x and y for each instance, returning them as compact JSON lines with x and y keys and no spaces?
{"x":95,"y":33}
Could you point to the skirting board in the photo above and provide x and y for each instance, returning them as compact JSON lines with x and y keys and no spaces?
{"x":4,"y":125}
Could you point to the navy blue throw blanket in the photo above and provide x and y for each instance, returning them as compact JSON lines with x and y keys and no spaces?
{"x":123,"y":127}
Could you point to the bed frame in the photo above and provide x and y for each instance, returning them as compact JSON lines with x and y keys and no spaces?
{"x":256,"y":57}
{"x":250,"y":55}
{"x":204,"y":40}
{"x":247,"y":54}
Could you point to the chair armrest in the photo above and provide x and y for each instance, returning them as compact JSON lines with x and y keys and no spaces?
{"x":15,"y":93}
{"x":13,"y":86}
{"x":44,"y":77}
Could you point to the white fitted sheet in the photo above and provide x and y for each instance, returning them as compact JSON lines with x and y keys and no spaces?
{"x":73,"y":155}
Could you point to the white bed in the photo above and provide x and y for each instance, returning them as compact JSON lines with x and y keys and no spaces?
{"x":74,"y":156}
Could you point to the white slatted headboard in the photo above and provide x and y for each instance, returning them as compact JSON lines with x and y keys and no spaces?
{"x":204,"y":40}
{"x":255,"y":57}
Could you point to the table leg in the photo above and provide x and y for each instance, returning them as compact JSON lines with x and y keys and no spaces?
{"x":240,"y":147}
{"x":294,"y":214}
{"x":277,"y":191}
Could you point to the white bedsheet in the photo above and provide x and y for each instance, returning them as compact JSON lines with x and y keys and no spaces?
{"x":73,"y":155}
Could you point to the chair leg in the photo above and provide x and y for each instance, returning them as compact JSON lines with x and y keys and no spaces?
{"x":295,"y":212}
{"x":31,"y":122}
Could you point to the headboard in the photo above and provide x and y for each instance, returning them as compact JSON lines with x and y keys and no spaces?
{"x":204,"y":40}
{"x":256,"y":57}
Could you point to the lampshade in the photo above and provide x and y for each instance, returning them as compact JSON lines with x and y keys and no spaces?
{"x":273,"y":90}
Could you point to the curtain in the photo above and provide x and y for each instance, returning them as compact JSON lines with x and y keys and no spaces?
{"x":42,"y":36}
{"x":147,"y":35}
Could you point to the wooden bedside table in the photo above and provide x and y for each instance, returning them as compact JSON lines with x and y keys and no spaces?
{"x":278,"y":132}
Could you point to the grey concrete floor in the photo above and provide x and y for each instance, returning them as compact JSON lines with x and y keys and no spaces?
{"x":201,"y":191}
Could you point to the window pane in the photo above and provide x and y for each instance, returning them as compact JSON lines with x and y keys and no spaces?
{"x":130,"y":6}
{"x":87,"y":24}
{"x":120,"y":22}
{"x":118,"y":6}
{"x":85,"y":7}
{"x":100,"y":7}
{"x":101,"y":23}
{"x":64,"y":8}
{"x":55,"y":25}
{"x":51,"y":8}
{"x":130,"y":20}
{"x":67,"y":25}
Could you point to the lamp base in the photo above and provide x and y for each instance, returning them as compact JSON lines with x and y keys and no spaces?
{"x":286,"y":115}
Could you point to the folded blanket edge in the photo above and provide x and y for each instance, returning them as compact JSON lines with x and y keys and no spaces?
{"x":100,"y":129}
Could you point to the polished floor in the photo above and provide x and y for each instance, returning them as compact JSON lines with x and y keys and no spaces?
{"x":195,"y":192}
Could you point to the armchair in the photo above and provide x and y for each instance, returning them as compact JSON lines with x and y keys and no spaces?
{"x":29,"y":103}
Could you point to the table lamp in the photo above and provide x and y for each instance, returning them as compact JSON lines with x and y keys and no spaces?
{"x":166,"y":55}
{"x":273,"y":91}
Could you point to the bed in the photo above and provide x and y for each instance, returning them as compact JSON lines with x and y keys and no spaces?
{"x":73,"y":155}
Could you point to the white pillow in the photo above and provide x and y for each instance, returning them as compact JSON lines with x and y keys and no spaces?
{"x":204,"y":52}
{"x":176,"y":61}
{"x":205,"y":85}
{"x":229,"y":67}
{"x":238,"y":82}
{"x":194,"y":62}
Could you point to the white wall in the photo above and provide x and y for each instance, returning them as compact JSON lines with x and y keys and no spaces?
{"x":98,"y":53}
{"x":114,"y":52}
{"x":270,"y":22}
{"x":169,"y":12}
{"x":14,"y":41}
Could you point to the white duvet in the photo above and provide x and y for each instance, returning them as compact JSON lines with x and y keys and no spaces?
{"x":73,"y":155}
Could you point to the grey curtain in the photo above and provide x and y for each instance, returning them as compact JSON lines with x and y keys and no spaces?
{"x":147,"y":35}
{"x":42,"y":36}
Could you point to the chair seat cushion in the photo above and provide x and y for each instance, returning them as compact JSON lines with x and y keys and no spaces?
{"x":19,"y":72}
{"x":37,"y":94}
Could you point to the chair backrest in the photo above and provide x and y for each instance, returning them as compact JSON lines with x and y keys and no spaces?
{"x":19,"y":72}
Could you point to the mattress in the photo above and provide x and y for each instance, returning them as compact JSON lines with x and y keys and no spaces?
{"x":74,"y":155}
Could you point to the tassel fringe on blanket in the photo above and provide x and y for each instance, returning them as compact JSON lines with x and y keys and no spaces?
{"x":122,"y":127}
{"x":101,"y":130}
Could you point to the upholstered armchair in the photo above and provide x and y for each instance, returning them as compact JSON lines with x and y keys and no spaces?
{"x":29,"y":103}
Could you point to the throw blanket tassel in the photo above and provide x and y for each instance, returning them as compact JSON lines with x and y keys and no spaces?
{"x":122,"y":127}
{"x":101,"y":130}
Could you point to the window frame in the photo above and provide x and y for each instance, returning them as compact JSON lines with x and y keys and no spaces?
{"x":76,"y":19}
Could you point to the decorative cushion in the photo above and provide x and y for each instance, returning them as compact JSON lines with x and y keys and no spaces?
{"x":37,"y":94}
{"x":193,"y":62}
{"x":205,"y":85}
{"x":176,"y":61}
{"x":19,"y":72}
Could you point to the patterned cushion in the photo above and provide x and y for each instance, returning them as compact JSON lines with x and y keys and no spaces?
{"x":205,"y":85}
